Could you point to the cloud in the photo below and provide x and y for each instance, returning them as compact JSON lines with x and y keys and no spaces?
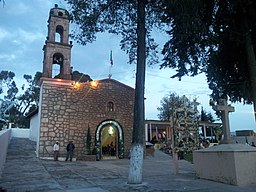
{"x":3,"y":34}
{"x":7,"y":57}
{"x":26,"y":37}
{"x":20,"y":8}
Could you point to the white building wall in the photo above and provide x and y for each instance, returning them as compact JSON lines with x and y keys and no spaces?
{"x":34,"y":127}
{"x":20,"y":133}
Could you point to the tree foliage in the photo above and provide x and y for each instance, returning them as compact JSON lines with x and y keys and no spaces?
{"x":206,"y":117}
{"x":89,"y":141}
{"x":80,"y":77}
{"x":189,"y":36}
{"x":170,"y":103}
{"x":216,"y":37}
{"x":19,"y":105}
{"x":6,"y":80}
{"x":116,"y":17}
{"x":30,"y":97}
{"x":21,"y":102}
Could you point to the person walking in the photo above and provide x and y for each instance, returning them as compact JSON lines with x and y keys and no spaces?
{"x":70,"y":149}
{"x":56,"y":149}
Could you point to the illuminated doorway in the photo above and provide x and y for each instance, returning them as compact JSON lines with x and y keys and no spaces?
{"x":109,"y":140}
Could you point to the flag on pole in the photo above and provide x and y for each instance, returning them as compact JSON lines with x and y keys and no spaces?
{"x":111,"y":59}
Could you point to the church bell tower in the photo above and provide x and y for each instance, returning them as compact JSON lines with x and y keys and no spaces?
{"x":57,"y":48}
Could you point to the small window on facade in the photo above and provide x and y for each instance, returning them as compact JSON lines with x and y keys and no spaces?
{"x":110,"y":106}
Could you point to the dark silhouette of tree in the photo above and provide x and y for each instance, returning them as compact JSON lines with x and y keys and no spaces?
{"x":89,"y":141}
{"x":6,"y":80}
{"x":30,"y":97}
{"x":19,"y":105}
{"x":215,"y":37}
{"x":206,"y":117}
{"x":80,"y":77}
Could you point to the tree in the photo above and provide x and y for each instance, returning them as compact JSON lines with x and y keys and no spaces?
{"x":170,"y":103}
{"x":80,"y":77}
{"x":217,"y":130}
{"x":89,"y":141}
{"x":30,"y":98}
{"x":6,"y":79}
{"x":18,"y":106}
{"x":130,"y":20}
{"x":216,"y":37}
{"x":206,"y":117}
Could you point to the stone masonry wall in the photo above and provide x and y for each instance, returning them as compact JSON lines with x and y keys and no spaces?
{"x":68,"y":109}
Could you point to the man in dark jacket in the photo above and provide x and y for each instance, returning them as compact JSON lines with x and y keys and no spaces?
{"x":70,"y":149}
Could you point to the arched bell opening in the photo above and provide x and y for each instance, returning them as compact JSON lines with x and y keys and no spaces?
{"x":59,"y":34}
{"x":57,"y":65}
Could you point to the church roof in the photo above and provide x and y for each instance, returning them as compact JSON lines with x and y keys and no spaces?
{"x":116,"y":82}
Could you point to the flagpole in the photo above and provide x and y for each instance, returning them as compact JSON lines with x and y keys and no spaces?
{"x":111,"y":64}
{"x":109,"y":75}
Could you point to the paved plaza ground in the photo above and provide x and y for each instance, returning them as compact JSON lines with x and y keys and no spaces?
{"x":23,"y":172}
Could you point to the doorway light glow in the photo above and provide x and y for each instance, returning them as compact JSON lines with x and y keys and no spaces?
{"x":110,"y":130}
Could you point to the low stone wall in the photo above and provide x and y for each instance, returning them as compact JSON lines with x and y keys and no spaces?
{"x":5,"y":136}
{"x":227,"y":163}
{"x":20,"y":133}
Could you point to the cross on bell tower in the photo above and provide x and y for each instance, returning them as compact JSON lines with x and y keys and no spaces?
{"x":57,"y":48}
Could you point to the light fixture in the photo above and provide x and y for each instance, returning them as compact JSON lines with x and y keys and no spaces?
{"x":76,"y":85}
{"x":94,"y":84}
{"x":110,"y":130}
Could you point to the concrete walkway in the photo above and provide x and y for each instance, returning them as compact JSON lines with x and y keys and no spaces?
{"x":23,"y":172}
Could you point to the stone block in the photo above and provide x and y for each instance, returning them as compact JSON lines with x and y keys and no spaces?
{"x":52,"y":134}
{"x":44,"y":129}
{"x":233,"y":164}
{"x":44,"y":120}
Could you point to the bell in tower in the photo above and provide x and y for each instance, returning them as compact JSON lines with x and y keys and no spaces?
{"x":57,"y":48}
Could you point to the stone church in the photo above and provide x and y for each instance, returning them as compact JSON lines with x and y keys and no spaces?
{"x":69,"y":109}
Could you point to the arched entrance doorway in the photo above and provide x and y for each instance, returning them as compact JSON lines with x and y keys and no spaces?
{"x":109,"y":140}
